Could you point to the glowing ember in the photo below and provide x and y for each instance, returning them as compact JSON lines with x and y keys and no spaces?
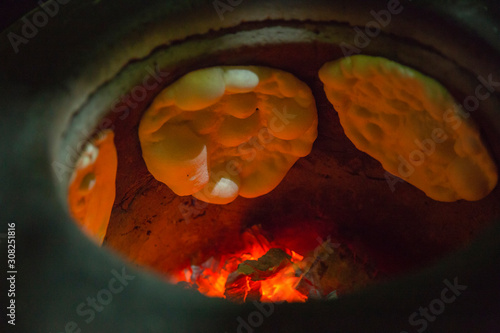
{"x":261,"y":271}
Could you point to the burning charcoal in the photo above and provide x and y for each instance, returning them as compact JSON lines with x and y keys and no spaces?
{"x":242,"y":289}
{"x":267,"y":265}
{"x":270,"y":274}
{"x":242,"y":285}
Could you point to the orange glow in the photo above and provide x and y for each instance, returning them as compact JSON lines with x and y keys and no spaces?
{"x":91,"y":191}
{"x":210,"y":278}
{"x":282,"y":287}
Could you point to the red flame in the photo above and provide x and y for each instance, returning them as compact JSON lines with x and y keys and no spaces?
{"x":210,"y":278}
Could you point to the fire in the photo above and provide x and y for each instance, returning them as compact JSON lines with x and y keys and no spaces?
{"x":282,"y":288}
{"x":261,"y":271}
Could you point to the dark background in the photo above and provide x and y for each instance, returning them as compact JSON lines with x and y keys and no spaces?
{"x":12,"y":10}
